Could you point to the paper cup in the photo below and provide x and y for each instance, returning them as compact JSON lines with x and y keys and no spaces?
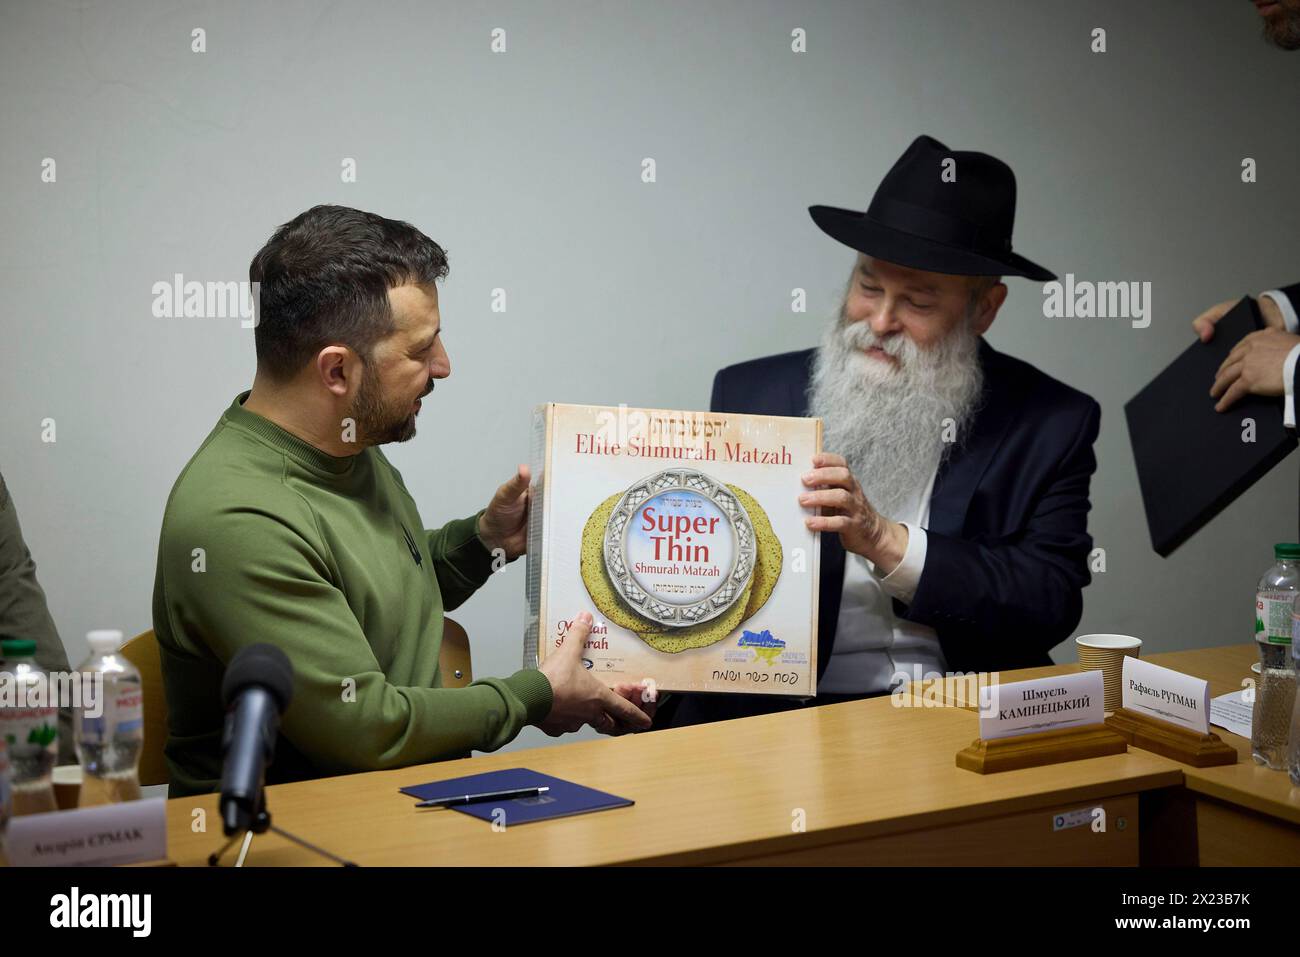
{"x":1106,"y":653}
{"x":67,"y":785}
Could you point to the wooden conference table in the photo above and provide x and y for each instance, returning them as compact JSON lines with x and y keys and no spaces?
{"x":864,"y":782}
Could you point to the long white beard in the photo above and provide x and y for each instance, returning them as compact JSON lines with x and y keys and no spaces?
{"x":890,"y":421}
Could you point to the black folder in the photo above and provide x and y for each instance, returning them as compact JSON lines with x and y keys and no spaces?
{"x":1191,"y":460}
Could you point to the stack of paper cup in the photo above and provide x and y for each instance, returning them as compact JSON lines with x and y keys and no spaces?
{"x":1106,"y":653}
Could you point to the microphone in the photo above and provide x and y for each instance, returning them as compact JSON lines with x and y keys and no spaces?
{"x":255,"y":691}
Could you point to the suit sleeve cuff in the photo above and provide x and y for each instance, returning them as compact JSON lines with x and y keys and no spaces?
{"x":1288,"y":383}
{"x":902,"y":581}
{"x":1285,"y":307}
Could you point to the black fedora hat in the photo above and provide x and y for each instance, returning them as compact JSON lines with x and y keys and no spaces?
{"x":919,"y":218}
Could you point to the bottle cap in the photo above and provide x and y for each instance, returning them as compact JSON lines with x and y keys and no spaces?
{"x":1286,"y":550}
{"x":17,"y":647}
{"x":104,"y":641}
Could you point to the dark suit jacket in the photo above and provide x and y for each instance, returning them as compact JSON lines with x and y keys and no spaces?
{"x":1292,"y":294}
{"x":1007,"y":539}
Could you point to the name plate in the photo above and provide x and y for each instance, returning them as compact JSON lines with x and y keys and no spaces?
{"x":1167,"y":695}
{"x":111,"y":834}
{"x":1044,"y":704}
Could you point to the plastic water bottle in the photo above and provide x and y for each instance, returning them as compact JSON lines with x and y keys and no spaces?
{"x":109,"y":743}
{"x":1293,"y":757}
{"x":29,"y":723}
{"x":1270,"y":725}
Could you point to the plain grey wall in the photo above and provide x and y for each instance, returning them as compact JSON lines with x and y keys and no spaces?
{"x":526,"y":166}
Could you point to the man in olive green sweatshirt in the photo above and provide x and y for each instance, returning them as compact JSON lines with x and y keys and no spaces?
{"x":290,"y":526}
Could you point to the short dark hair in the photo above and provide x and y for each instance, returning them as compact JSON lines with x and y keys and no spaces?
{"x":324,"y":278}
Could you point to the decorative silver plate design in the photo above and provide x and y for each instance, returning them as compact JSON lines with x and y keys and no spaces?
{"x":734,"y":578}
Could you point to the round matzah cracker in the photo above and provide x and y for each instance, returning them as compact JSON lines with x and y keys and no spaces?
{"x":700,"y":636}
{"x":592,"y":566}
{"x":767,"y":569}
{"x":768,"y":558}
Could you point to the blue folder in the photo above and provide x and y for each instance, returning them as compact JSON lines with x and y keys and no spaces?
{"x":562,"y":800}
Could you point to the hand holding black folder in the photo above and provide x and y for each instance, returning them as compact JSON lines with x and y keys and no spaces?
{"x":1192,"y":461}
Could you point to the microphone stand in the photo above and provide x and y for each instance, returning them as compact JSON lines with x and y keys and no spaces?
{"x":261,"y":824}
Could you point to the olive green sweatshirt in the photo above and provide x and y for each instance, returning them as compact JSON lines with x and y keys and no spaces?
{"x":23,"y":612}
{"x":266,"y":538}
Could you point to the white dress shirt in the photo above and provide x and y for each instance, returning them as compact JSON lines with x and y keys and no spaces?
{"x":872,"y":644}
{"x":1288,"y":366}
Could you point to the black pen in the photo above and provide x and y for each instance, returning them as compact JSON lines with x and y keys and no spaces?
{"x":484,"y":796}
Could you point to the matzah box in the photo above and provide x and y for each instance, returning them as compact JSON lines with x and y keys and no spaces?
{"x":681,"y":533}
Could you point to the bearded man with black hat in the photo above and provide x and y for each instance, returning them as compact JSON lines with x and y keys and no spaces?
{"x":952,"y":497}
